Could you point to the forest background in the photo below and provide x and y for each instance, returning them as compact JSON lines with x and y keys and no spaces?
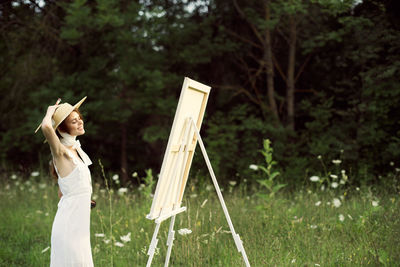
{"x":319,"y":78}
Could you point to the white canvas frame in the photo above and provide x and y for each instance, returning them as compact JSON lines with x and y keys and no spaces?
{"x":179,"y":152}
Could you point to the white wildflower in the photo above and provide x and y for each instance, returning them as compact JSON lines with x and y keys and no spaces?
{"x":317,"y":264}
{"x":333,"y":176}
{"x":342,"y":181}
{"x":357,"y":188}
{"x":46,"y":249}
{"x":375,"y":203}
{"x":209,"y":187}
{"x":232,"y":183}
{"x":115,"y":177}
{"x":41,"y":186}
{"x":122,"y":191}
{"x":318,"y":203}
{"x":134,"y":174}
{"x":397,"y":169}
{"x":348,"y":215}
{"x":319,"y":157}
{"x":313,"y":226}
{"x":391,"y":163}
{"x":293,"y":261}
{"x":323,"y":187}
{"x":119,"y":244}
{"x":341,"y":217}
{"x":314,"y":178}
{"x":106,"y":241}
{"x":126,"y":238}
{"x":99,"y":235}
{"x":334,"y":185}
{"x":13,"y":177}
{"x":34,"y":174}
{"x":343,"y":172}
{"x":184,"y":231}
{"x":193,"y":195}
{"x":253,"y":167}
{"x":336,"y":161}
{"x":336,"y":202}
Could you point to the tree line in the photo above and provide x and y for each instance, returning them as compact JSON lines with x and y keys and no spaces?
{"x":316,"y":77}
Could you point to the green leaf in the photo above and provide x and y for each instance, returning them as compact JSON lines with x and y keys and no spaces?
{"x":263,"y":169}
{"x":276,"y":188}
{"x":273,"y":175}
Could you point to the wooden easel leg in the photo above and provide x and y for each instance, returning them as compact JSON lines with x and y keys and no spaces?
{"x":236,"y":238}
{"x":170,"y":240}
{"x":153,"y":245}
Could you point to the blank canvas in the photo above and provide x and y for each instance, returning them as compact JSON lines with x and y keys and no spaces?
{"x":177,"y":159}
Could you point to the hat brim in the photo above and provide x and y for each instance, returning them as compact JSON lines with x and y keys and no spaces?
{"x":77,"y":105}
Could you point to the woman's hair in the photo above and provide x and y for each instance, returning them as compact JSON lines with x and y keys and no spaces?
{"x":63,"y":128}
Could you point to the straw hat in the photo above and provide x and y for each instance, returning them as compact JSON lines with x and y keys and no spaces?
{"x":62,"y":112}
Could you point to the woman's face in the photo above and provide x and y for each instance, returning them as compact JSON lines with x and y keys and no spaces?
{"x":74,"y":124}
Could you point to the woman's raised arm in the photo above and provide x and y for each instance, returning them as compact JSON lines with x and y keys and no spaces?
{"x":49,"y":132}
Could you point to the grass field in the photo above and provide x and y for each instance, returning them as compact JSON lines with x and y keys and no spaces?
{"x":358,"y":227}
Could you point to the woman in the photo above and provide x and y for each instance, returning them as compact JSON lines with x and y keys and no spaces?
{"x":70,"y":235}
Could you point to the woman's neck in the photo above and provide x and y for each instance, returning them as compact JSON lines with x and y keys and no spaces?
{"x":67,"y":139}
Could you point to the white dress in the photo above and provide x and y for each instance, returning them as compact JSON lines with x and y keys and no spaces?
{"x":70,"y":235}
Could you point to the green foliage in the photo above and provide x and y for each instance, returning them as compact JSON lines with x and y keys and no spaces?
{"x":148,"y":187}
{"x":129,"y":58}
{"x":269,"y":182}
{"x":231,"y":139}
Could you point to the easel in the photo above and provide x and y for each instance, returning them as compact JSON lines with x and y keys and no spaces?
{"x":190,"y":129}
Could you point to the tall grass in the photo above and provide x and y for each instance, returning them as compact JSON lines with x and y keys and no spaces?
{"x":302,"y":228}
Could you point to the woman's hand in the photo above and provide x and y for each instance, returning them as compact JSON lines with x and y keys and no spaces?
{"x":52,"y":109}
{"x":49,"y":114}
